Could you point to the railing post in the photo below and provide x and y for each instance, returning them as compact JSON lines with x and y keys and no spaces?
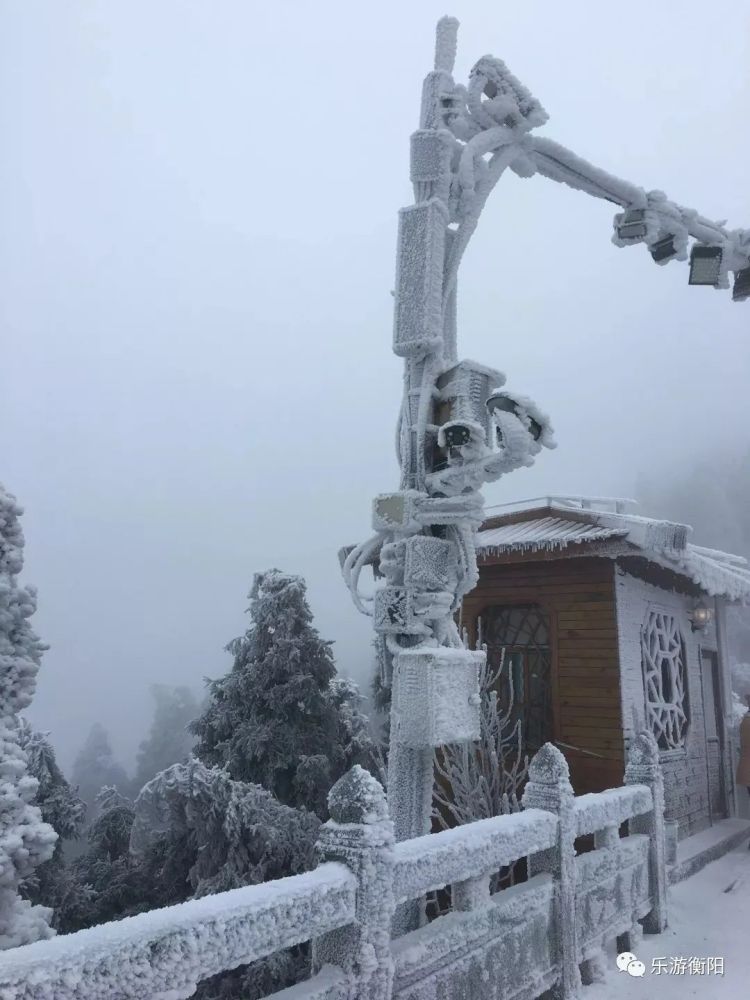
{"x":606,"y":838}
{"x":360,"y":835}
{"x":472,"y":894}
{"x":643,"y":768}
{"x":549,"y":788}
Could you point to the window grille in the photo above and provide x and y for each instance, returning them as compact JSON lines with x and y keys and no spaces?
{"x":663,"y":659}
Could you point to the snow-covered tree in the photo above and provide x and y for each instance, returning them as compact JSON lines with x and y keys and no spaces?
{"x":354,"y":732}
{"x":53,"y":883}
{"x":195,"y":827}
{"x":191,"y":832}
{"x":169,"y":740}
{"x":108,"y":886}
{"x":277,"y":719}
{"x":230,"y":833}
{"x":95,"y":768}
{"x":26,"y":841}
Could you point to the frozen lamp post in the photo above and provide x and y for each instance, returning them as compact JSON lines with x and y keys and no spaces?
{"x":457,"y":430}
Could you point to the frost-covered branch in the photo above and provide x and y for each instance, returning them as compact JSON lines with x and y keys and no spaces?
{"x":477,"y":781}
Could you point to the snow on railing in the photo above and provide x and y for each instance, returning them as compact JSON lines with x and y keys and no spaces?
{"x":600,"y":810}
{"x":480,"y":848}
{"x":549,"y":931}
{"x":164,"y":953}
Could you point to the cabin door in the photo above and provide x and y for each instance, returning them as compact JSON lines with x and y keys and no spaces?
{"x":524,"y":685}
{"x":712,"y":722}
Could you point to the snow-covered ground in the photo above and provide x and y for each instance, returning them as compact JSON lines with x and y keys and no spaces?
{"x":709,"y":917}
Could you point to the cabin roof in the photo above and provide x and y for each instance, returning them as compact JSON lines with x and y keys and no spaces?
{"x":573,"y":525}
{"x":543,"y":533}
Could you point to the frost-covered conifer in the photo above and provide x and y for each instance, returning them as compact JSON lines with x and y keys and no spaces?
{"x":95,"y":768}
{"x":197,"y":831}
{"x":53,"y":883}
{"x":231,"y":833}
{"x":105,"y":886}
{"x":277,"y":719}
{"x":26,"y":841}
{"x":169,"y":740}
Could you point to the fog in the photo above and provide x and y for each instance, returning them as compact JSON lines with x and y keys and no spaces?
{"x":199,"y":212}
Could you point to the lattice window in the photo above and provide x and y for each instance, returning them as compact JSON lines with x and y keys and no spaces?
{"x":522,"y":633}
{"x":663,"y":658}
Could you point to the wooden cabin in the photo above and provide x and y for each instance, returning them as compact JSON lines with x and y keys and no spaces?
{"x":612,"y":623}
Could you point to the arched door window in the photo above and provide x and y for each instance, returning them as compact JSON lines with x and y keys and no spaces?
{"x":525,"y":683}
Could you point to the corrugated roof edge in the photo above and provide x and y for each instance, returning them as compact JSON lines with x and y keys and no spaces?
{"x":719,"y":574}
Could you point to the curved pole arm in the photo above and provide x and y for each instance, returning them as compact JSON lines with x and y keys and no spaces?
{"x":560,"y":164}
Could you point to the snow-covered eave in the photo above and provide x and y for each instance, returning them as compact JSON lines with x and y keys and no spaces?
{"x":646,"y":532}
{"x":715,"y":578}
{"x":591,"y":543}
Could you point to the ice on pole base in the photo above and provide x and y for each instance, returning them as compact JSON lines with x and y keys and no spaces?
{"x":435,"y":697}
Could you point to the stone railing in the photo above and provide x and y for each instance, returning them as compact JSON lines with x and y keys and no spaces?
{"x":548,"y":931}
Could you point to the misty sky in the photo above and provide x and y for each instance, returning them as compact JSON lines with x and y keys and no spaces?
{"x":196,"y":255}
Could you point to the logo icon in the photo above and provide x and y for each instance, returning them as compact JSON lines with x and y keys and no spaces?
{"x":627,"y":962}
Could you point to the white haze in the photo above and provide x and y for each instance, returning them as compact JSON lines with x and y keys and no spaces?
{"x":199,"y":208}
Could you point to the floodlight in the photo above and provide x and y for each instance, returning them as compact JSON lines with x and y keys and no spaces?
{"x":705,"y":265}
{"x":631,"y":225}
{"x":504,"y":403}
{"x":741,"y":289}
{"x":664,"y":249}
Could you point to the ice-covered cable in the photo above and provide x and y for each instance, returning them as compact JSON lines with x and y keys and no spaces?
{"x":352,"y":568}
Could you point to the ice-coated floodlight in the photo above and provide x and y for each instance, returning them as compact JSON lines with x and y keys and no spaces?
{"x":631,"y":225}
{"x":663,"y":249}
{"x":705,"y":265}
{"x":505,"y":404}
{"x":741,"y":288}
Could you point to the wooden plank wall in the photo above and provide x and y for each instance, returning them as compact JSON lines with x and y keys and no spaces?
{"x":578,"y":596}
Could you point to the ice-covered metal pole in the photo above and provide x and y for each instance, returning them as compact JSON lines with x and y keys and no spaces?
{"x":420,"y":336}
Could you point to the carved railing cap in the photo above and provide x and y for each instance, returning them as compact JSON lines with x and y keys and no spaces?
{"x":549,"y":766}
{"x":357,"y":797}
{"x":643,"y":750}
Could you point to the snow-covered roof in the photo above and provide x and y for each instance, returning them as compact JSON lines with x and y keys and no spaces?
{"x":542,"y":533}
{"x":559,"y":522}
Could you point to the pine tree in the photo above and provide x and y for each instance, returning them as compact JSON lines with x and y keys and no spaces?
{"x":191,"y":832}
{"x":95,"y":768}
{"x":277,"y":719}
{"x":110,"y":887}
{"x":53,"y":883}
{"x":196,"y":829}
{"x":169,"y":740}
{"x":26,"y":841}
